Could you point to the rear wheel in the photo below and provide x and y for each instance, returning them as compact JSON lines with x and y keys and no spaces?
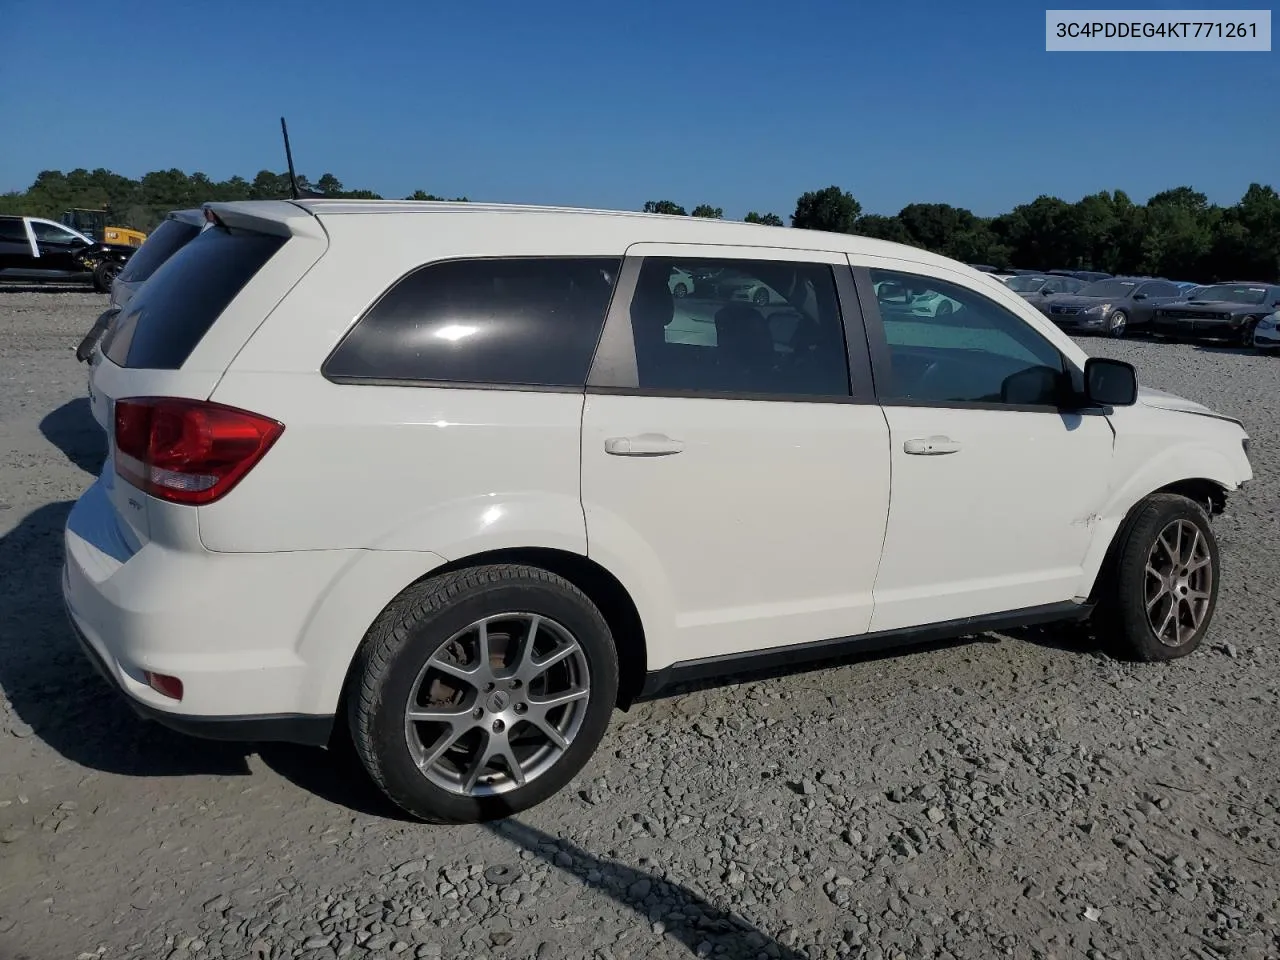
{"x":1164,"y":585}
{"x":482,"y":692}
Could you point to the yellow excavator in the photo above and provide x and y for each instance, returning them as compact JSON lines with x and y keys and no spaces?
{"x":94,"y":224}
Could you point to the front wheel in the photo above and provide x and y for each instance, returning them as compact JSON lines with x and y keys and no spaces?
{"x":1117,"y":325}
{"x":104,"y":274}
{"x":480,"y":693}
{"x":1164,"y":586}
{"x":1246,"y":333}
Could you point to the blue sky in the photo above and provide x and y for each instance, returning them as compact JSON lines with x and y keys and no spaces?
{"x":743,"y":105}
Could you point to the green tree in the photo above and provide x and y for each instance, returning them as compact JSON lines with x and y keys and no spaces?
{"x":708,"y":212}
{"x":664,"y":206}
{"x":879,"y":227}
{"x":768,"y":219}
{"x":830,"y":209}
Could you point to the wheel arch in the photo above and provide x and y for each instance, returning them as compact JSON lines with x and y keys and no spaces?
{"x":599,"y":584}
{"x":1209,"y":494}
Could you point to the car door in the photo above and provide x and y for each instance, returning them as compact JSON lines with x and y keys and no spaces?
{"x":732,"y":475}
{"x":995,"y":489}
{"x":1148,"y":297}
{"x":57,"y":247}
{"x":17,"y":249}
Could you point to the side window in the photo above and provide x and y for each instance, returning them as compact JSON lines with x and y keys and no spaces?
{"x":1161,"y":290}
{"x":532,"y":320}
{"x":763,"y":327}
{"x":1072,"y":285}
{"x":1055,"y":286}
{"x":13,"y":231}
{"x":51,"y":233}
{"x":968,"y":349}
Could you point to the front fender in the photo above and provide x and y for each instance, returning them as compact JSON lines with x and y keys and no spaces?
{"x":1184,"y":462}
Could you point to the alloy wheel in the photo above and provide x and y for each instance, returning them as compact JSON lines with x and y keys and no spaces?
{"x":498,"y":704}
{"x":1179,"y":583}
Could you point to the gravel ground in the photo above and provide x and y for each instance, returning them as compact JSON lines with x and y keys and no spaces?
{"x":1021,"y":796}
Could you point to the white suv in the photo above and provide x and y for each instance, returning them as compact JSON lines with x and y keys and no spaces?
{"x":440,"y":475}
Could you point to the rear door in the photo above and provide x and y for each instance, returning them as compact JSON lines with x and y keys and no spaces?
{"x":732,"y":474}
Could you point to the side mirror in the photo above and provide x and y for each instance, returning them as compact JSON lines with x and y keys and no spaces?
{"x":1139,"y":296}
{"x":1110,"y":383}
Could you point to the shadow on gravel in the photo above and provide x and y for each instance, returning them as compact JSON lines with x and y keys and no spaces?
{"x":72,"y":429}
{"x":47,"y":288}
{"x":1071,"y":637}
{"x":689,"y":919}
{"x":53,"y":692}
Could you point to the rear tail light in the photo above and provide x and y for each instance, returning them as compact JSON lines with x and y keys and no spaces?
{"x":188,"y":451}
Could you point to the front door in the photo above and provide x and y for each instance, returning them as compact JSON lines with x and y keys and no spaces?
{"x":732,"y":476}
{"x":995,"y":489}
{"x":58,"y":247}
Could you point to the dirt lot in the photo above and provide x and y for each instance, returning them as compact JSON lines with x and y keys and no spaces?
{"x":1014,"y":796}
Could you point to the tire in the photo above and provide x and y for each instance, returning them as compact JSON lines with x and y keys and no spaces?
{"x":1246,"y":333}
{"x":104,"y":274}
{"x":680,"y":291}
{"x":1117,"y":325}
{"x":429,"y":624}
{"x":760,"y":297}
{"x":1123,"y":604}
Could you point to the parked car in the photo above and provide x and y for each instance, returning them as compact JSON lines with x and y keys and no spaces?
{"x":1266,"y":337}
{"x":419,"y":471}
{"x":177,"y":229}
{"x":1037,"y":288}
{"x":1114,"y":307}
{"x":36,"y":249}
{"x":681,"y":283}
{"x":1230,"y":311}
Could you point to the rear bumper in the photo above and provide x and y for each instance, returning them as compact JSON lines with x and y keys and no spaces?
{"x":289,"y":728}
{"x":231,"y":627}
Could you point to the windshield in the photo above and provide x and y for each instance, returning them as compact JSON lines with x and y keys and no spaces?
{"x":1109,"y":288}
{"x":1232,"y":293}
{"x":1026,"y":284}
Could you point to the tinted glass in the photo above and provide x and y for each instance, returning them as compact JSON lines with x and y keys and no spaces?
{"x":13,"y":231}
{"x":167,"y":240}
{"x":175,"y":308}
{"x":510,"y":321}
{"x":1109,"y":288}
{"x":1233,"y":293}
{"x":948,"y":344}
{"x":1028,"y":284}
{"x":1160,"y":290}
{"x":50,"y":233}
{"x":762,"y":327}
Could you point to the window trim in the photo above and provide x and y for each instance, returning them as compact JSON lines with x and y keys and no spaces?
{"x":614,"y":370}
{"x":882,"y":365}
{"x":341,"y":379}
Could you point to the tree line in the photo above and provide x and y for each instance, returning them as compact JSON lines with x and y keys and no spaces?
{"x":1177,"y":233}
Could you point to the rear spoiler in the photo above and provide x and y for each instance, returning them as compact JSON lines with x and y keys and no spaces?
{"x":281,"y":218}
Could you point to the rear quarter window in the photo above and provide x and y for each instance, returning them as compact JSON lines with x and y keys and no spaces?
{"x":511,"y":321}
{"x":177,"y":306}
{"x":167,"y":240}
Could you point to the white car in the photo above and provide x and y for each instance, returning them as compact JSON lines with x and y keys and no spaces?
{"x":1266,"y":335}
{"x":680,"y":284}
{"x":435,"y":474}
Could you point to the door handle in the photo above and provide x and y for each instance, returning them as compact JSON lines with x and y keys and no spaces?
{"x":931,"y":446}
{"x":644,"y":445}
